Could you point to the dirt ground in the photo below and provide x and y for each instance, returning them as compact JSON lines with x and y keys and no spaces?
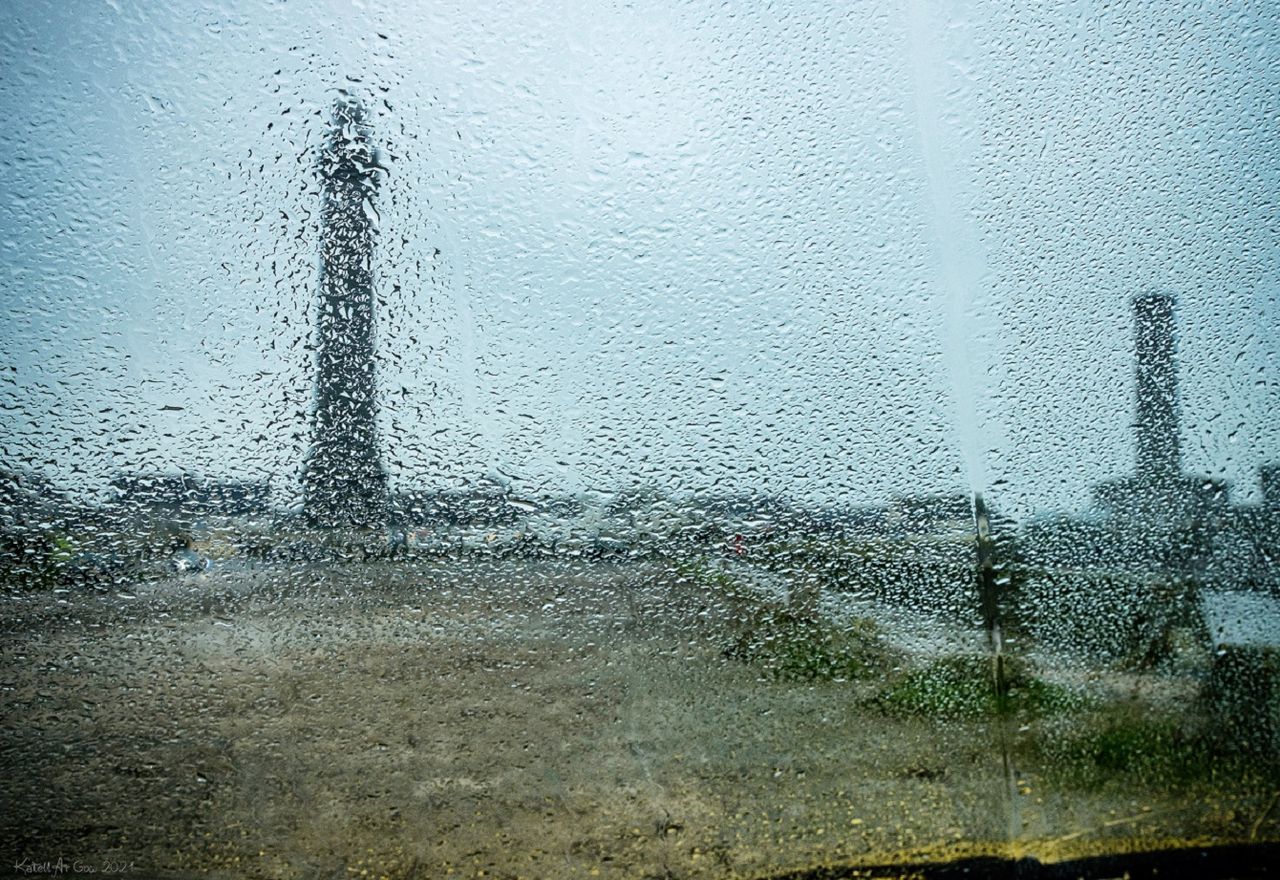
{"x":502,"y":719}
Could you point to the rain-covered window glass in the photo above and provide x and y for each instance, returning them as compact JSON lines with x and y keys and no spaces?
{"x":654,"y":440}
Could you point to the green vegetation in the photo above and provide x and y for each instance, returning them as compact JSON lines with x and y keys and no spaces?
{"x":38,"y":559}
{"x":966,"y":687}
{"x":788,"y":643}
{"x":1122,"y":747}
{"x":1126,"y":744}
{"x":791,"y":647}
{"x":1242,"y":697}
{"x":1133,"y":746}
{"x":85,"y":555}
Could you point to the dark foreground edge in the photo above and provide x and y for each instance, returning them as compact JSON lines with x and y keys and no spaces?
{"x":1239,"y":862}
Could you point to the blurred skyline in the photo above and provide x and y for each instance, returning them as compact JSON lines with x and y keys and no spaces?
{"x":834,"y":255}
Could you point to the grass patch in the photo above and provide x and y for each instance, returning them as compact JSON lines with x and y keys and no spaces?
{"x":964,"y":687}
{"x":791,"y":647}
{"x":1124,"y":745}
{"x":1123,"y":749}
{"x":785,"y":642}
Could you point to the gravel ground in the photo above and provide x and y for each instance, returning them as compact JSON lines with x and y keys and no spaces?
{"x":506,"y":719}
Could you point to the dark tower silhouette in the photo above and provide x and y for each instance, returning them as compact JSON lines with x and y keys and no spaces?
{"x":344,"y":483}
{"x":1269,"y":476}
{"x":1158,"y":497}
{"x":1158,"y":455}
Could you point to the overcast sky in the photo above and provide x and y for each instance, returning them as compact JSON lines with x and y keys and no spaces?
{"x":835,"y":254}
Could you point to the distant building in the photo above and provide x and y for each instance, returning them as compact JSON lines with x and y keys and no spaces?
{"x":948,"y":514}
{"x":1269,"y":477}
{"x":178,"y":496}
{"x":486,"y":503}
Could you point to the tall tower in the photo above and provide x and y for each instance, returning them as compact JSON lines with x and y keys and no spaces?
{"x":1158,"y":454}
{"x":1159,"y":498}
{"x":344,"y":483}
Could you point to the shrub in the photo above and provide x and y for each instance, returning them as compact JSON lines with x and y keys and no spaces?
{"x":791,"y":647}
{"x":1122,"y":746}
{"x":789,"y":642}
{"x":967,"y":687}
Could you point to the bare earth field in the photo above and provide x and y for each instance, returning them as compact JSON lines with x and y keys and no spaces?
{"x":502,"y":719}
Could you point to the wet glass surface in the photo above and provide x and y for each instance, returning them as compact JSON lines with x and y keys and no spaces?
{"x":632,"y":442}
